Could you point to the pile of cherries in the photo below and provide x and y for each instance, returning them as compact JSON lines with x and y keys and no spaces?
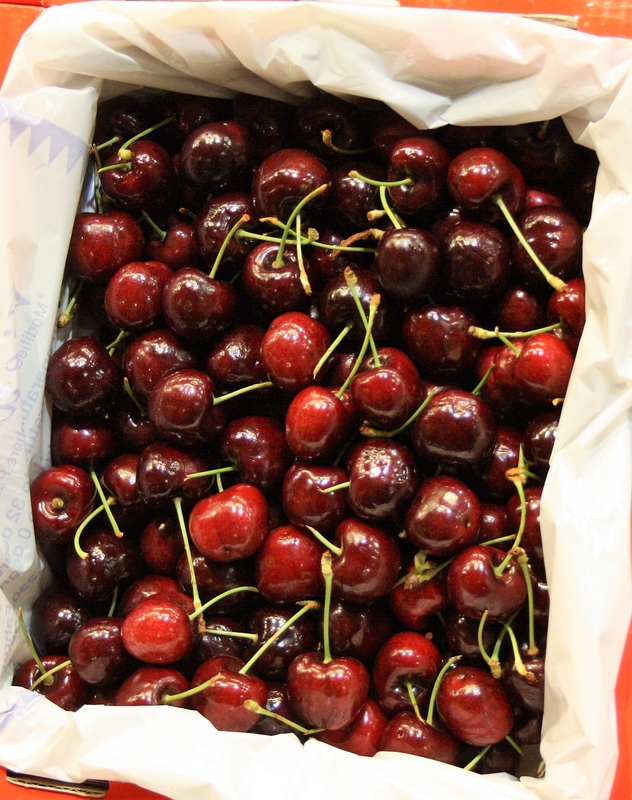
{"x":301,"y":431}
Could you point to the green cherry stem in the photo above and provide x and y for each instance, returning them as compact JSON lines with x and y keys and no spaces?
{"x":84,"y":524}
{"x":389,"y":211}
{"x":335,"y":488}
{"x":557,"y":283}
{"x":515,"y":745}
{"x":115,"y":343}
{"x":207,"y":473}
{"x":523,"y":562}
{"x":337,"y":551}
{"x":327,"y":138}
{"x":227,"y":239}
{"x":435,"y":689}
{"x":278,"y":261}
{"x":310,"y":605}
{"x":476,"y":759}
{"x":218,"y":598}
{"x":332,"y":347}
{"x":365,"y":430}
{"x":252,"y":705}
{"x":300,"y":260}
{"x":224,"y":397}
{"x":197,"y":604}
{"x":357,"y":176}
{"x":49,"y":674}
{"x":106,"y":504}
{"x":66,"y":315}
{"x":373,"y":306}
{"x":124,"y":151}
{"x":114,"y":601}
{"x":518,"y":662}
{"x":162,"y":235}
{"x":127,"y":388}
{"x":413,"y":700}
{"x":479,"y":386}
{"x":491,"y":662}
{"x":31,"y":646}
{"x":482,"y":333}
{"x":328,"y":576}
{"x":352,"y":282}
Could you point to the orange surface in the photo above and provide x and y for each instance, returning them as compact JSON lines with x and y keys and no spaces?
{"x":606,"y":18}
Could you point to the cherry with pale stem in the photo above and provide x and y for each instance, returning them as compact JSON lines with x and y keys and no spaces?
{"x":424,"y":570}
{"x":352,"y":281}
{"x":252,"y":705}
{"x":523,"y":562}
{"x":278,"y":261}
{"x":482,"y":333}
{"x":332,"y":347}
{"x":433,"y":695}
{"x":557,"y":283}
{"x":66,"y":315}
{"x":366,"y":430}
{"x":197,"y":603}
{"x":518,"y":662}
{"x":126,"y":155}
{"x":518,"y":477}
{"x":308,"y":605}
{"x":493,"y":661}
{"x":218,"y":599}
{"x":121,"y":336}
{"x":383,"y":186}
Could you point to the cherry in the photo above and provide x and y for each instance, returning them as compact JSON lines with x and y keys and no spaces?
{"x":82,"y":378}
{"x":67,"y":690}
{"x":140,"y":177}
{"x":270,"y":123}
{"x":363,"y":736}
{"x":407,"y":659}
{"x":149,"y":685}
{"x":520,"y":310}
{"x":97,"y":653}
{"x":216,"y":578}
{"x":292,"y":348}
{"x":222,"y":701}
{"x":475,"y":587}
{"x":288,"y":566}
{"x":61,"y":498}
{"x":151,"y":356}
{"x":278,"y":702}
{"x":182,"y":403}
{"x":477,"y":259}
{"x":231,"y":524}
{"x":342,"y":120}
{"x":444,"y":517}
{"x":456,"y":429}
{"x":383,"y":477}
{"x":100,"y":243}
{"x":305,"y":502}
{"x":236,"y":358}
{"x":197,"y":306}
{"x":213,"y":224}
{"x":407,"y":262}
{"x":285,"y":178}
{"x":56,"y":614}
{"x":539,"y":439}
{"x":150,"y":586}
{"x":215,"y":156}
{"x":415,"y":599}
{"x":531,"y":539}
{"x":84,"y":443}
{"x":544,"y":151}
{"x":133,"y":298}
{"x":462,"y":637}
{"x":474,"y":706}
{"x":359,"y":630}
{"x":174,"y":246}
{"x":163,"y":474}
{"x":542,"y":369}
{"x":256,"y":446}
{"x":351,"y":197}
{"x":119,"y":478}
{"x":318,"y":423}
{"x":407,"y":733}
{"x":337,"y":306}
{"x":158,"y":631}
{"x":272,"y":280}
{"x":425,"y":162}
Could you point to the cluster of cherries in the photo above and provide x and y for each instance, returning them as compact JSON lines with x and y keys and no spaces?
{"x":300,"y":437}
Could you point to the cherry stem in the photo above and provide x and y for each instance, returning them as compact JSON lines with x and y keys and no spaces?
{"x":557,"y":283}
{"x":496,"y":668}
{"x":518,"y":662}
{"x":31,"y":647}
{"x":500,"y":540}
{"x":106,"y":504}
{"x":332,"y":347}
{"x":278,"y":262}
{"x":227,"y":239}
{"x":352,"y":282}
{"x":373,"y":306}
{"x":509,"y":343}
{"x":222,"y":398}
{"x":372,"y":182}
{"x":367,"y":431}
{"x":541,"y":134}
{"x":207,"y":473}
{"x":220,"y":482}
{"x":44,"y":677}
{"x":310,"y":605}
{"x":218,"y":598}
{"x":98,"y":193}
{"x":515,"y":745}
{"x":66,"y":315}
{"x":328,"y":142}
{"x":413,"y":700}
{"x":114,"y":601}
{"x":124,"y":149}
{"x":300,"y":260}
{"x":197,"y":604}
{"x":482,"y":333}
{"x":424,"y":572}
{"x":476,"y":759}
{"x":479,"y":386}
{"x":523,"y":562}
{"x":337,"y":551}
{"x":114,"y":140}
{"x":236,"y":634}
{"x":492,"y":663}
{"x":114,"y":344}
{"x":85,"y":522}
{"x":162,"y":235}
{"x":328,"y":576}
{"x":252,"y":705}
{"x":435,"y":689}
{"x":389,"y":211}
{"x":335,"y":488}
{"x":127,"y":388}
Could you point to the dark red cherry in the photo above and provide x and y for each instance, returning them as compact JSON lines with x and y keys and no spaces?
{"x":100,"y":243}
{"x":270,"y":123}
{"x":477,"y":258}
{"x":318,"y":423}
{"x":97,"y":653}
{"x":544,"y":151}
{"x":443,"y":517}
{"x":175,"y":246}
{"x":256,"y":446}
{"x":285,"y":178}
{"x":407,"y":261}
{"x":407,"y":733}
{"x":520,"y":310}
{"x":56,"y":614}
{"x":162,"y":474}
{"x":359,"y":630}
{"x":351,"y":197}
{"x":304,"y":502}
{"x":144,"y":179}
{"x":149,"y":685}
{"x":83,"y":442}
{"x":215,"y":156}
{"x":542,"y":370}
{"x":291,"y":349}
{"x":61,"y":498}
{"x":363,"y":736}
{"x":416,"y":599}
{"x":198,"y":307}
{"x":151,"y":356}
{"x":539,"y":439}
{"x":288,"y":566}
{"x":426,"y":162}
{"x":215,"y":221}
{"x":133,"y":298}
{"x":236,"y":358}
{"x":344,"y":121}
{"x":82,"y":378}
{"x":338,"y":309}
{"x":161,"y":544}
{"x":67,"y":690}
